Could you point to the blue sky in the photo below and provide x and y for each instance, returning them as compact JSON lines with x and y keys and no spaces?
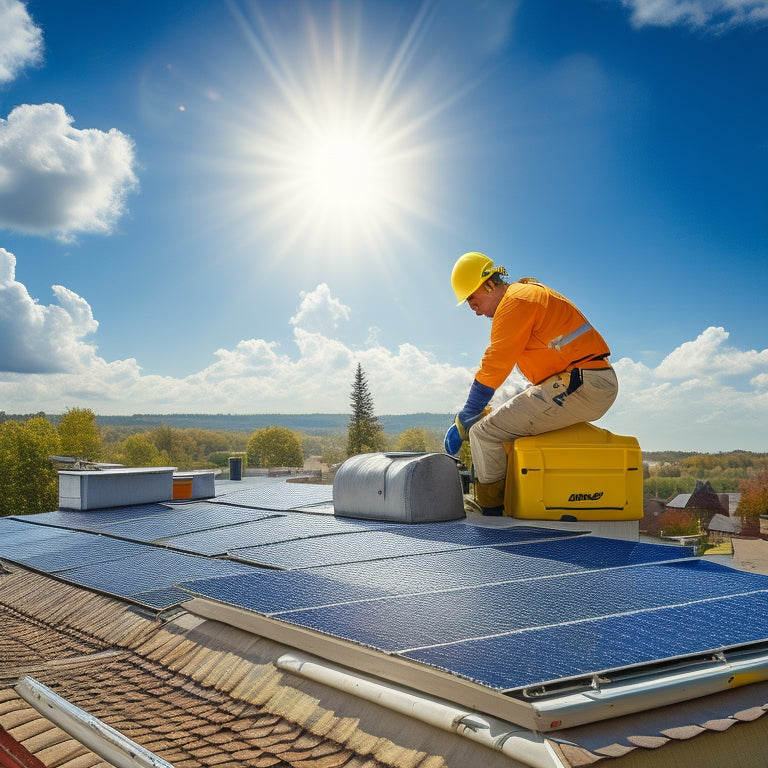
{"x":223,"y":207}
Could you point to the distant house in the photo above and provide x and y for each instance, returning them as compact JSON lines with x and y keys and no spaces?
{"x":705,"y":503}
{"x":716,"y":512}
{"x":723,"y":527}
{"x":703,"y":499}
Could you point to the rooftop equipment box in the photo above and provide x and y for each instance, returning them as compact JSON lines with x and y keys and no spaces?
{"x":197,"y":484}
{"x":581,"y":472}
{"x":97,"y":489}
{"x":399,"y":487}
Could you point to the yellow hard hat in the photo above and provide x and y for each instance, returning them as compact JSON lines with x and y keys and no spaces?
{"x":470,"y":272}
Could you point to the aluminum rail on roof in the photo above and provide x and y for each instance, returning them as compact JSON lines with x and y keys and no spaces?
{"x":113,"y":746}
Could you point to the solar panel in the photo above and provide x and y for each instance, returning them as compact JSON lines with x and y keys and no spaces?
{"x":182,"y":522}
{"x":433,"y":571}
{"x":321,"y":508}
{"x":279,"y":496}
{"x":489,"y":610}
{"x":272,"y":592}
{"x":269,"y":528}
{"x":346,"y":548}
{"x":479,"y":536}
{"x":160,"y":599}
{"x":19,"y":539}
{"x":147,"y":570}
{"x":513,"y":661}
{"x":75,"y":550}
{"x":469,"y":567}
{"x":86,"y":520}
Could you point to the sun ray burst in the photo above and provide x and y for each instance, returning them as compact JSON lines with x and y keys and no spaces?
{"x":337,"y":156}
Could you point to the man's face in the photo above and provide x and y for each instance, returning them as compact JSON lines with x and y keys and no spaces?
{"x":483,"y":302}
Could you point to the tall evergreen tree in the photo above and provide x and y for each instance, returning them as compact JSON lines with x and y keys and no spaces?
{"x":365,"y":431}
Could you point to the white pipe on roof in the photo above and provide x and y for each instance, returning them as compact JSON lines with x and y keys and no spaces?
{"x":525,"y":746}
{"x":97,"y":736}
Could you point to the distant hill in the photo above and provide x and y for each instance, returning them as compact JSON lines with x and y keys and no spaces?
{"x":307,"y":423}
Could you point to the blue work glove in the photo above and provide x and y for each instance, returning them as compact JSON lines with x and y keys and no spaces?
{"x":453,"y":440}
{"x":474,"y":409}
{"x":457,"y":434}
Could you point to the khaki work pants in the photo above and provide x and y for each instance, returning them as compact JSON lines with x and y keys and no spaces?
{"x":539,"y":408}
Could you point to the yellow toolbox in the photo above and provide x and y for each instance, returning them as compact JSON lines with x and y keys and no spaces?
{"x":581,"y":472}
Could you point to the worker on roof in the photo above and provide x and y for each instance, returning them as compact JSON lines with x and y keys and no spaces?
{"x":554,"y":347}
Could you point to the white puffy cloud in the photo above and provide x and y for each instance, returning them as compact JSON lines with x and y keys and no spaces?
{"x":38,"y":339}
{"x":717,"y":14}
{"x":21,"y":41}
{"x":706,"y":395}
{"x":319,"y":311}
{"x":56,"y":179}
{"x":709,"y":356}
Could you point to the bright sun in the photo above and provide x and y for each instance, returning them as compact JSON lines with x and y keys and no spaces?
{"x":342,"y":170}
{"x":334,"y":158}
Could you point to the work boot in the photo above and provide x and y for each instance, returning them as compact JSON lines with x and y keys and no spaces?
{"x":490,"y":498}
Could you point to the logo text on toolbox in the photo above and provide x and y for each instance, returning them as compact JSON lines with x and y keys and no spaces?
{"x":585,"y":496}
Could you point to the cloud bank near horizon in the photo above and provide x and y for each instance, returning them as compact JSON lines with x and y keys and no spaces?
{"x":50,"y":363}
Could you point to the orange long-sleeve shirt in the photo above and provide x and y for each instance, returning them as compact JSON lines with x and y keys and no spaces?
{"x":526,"y":327}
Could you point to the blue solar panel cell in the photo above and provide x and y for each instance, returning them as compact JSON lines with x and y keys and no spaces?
{"x":514,"y":661}
{"x":279,"y":496}
{"x":148,"y":570}
{"x":182,"y":522}
{"x":20,"y":540}
{"x":320,"y":508}
{"x":469,"y":567}
{"x":269,"y":528}
{"x":160,"y":599}
{"x":478,"y":536}
{"x":86,"y":520}
{"x":346,"y":548}
{"x":270,"y":592}
{"x":77,"y":550}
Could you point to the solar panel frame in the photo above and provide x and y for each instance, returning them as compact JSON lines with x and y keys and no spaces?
{"x":398,"y":623}
{"x":601,"y":646}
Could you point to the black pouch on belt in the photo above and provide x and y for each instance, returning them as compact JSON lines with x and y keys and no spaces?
{"x":577,"y":379}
